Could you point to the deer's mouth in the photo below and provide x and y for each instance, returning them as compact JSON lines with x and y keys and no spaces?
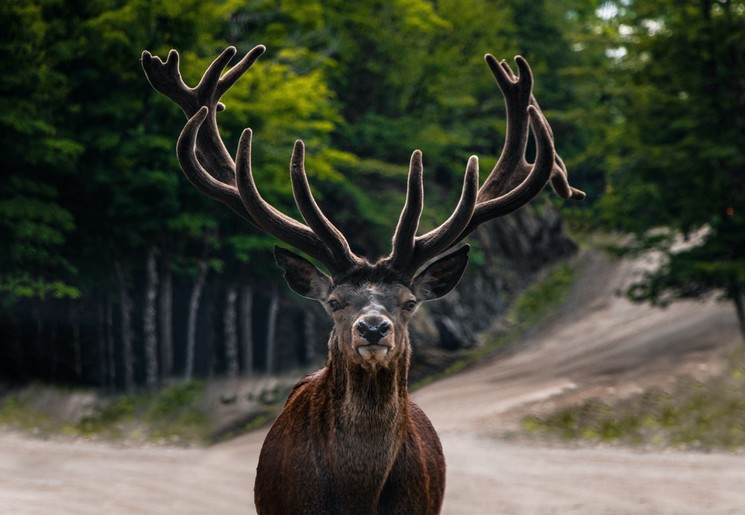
{"x":373,"y":352}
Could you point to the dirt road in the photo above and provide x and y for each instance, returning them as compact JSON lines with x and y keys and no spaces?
{"x":600,"y":345}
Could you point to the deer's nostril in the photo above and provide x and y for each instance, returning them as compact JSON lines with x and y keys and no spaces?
{"x":383,"y":327}
{"x":363,"y":328}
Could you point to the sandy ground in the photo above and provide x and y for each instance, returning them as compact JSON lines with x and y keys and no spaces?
{"x":599,"y":345}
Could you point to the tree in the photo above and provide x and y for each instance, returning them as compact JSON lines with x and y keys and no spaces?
{"x":104,"y":241}
{"x":681,"y":165}
{"x":36,"y":158}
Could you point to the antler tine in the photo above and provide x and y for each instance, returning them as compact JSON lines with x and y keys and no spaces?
{"x":537,"y":177}
{"x":438,"y":240}
{"x":513,"y":182}
{"x":559,"y":174}
{"x":166,"y":78}
{"x":334,"y":240}
{"x":404,"y":236}
{"x":235,"y":73}
{"x":517,"y":92}
{"x":206,"y":89}
{"x":198,"y":176}
{"x":560,"y":182}
{"x":273,"y":221}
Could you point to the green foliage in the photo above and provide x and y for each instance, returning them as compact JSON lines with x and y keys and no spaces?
{"x":542,"y":296}
{"x":34,"y":227}
{"x":312,"y":84}
{"x":89,"y":172}
{"x":692,"y":414}
{"x":680,"y":161}
{"x":246,"y":247}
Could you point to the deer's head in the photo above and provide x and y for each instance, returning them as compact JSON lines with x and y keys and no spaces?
{"x":371,"y":303}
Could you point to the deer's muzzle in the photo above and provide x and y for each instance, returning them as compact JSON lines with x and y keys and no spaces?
{"x":373,"y":336}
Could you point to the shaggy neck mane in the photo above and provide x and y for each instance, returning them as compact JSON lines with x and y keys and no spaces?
{"x":368,"y":411}
{"x":366,"y":390}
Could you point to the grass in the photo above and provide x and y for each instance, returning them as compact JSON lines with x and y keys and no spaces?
{"x":542,"y":297}
{"x":692,"y":414}
{"x":14,"y":413}
{"x":181,"y":414}
{"x":172,"y":415}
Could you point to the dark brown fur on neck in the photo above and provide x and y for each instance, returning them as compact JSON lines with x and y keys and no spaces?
{"x":355,"y":443}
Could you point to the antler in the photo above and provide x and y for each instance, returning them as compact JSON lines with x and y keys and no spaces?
{"x":208,"y":166}
{"x":512,"y":183}
{"x":205,"y":161}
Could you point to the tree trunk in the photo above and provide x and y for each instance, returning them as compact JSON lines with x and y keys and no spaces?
{"x":77,"y":351}
{"x":246,"y":321}
{"x":38,"y":337}
{"x":166,"y":319}
{"x":149,"y":319}
{"x":231,"y":331}
{"x":737,"y":294}
{"x":191,"y":328}
{"x":125,"y":306}
{"x":53,"y":345}
{"x":271,"y":333}
{"x":18,"y":347}
{"x":109,"y":335}
{"x":101,"y":343}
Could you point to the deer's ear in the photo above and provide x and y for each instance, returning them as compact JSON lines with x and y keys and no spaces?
{"x":302,"y":276}
{"x":441,"y":275}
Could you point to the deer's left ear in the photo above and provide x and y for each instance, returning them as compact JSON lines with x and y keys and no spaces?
{"x":441,"y":276}
{"x":302,"y":275}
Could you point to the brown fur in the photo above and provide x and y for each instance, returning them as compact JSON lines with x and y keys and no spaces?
{"x":351,"y":442}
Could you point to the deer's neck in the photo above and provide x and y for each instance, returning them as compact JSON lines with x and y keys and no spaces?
{"x":370,"y":413}
{"x":362,"y":395}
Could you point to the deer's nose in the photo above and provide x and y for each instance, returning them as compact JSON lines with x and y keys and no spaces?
{"x":373,"y":330}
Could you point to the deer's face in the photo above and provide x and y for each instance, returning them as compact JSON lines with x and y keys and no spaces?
{"x":372,"y":306}
{"x":371,"y":319}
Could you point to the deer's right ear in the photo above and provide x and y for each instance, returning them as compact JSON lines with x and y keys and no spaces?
{"x":302,"y":275}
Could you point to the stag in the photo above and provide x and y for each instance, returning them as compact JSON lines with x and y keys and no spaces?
{"x":349,"y":439}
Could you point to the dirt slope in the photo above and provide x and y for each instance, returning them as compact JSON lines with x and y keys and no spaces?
{"x":600,"y":344}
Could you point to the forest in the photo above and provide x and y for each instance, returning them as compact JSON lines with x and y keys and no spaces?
{"x":116,"y":273}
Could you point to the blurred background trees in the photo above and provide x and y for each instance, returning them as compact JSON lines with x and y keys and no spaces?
{"x":679,"y":146}
{"x":114,"y":272}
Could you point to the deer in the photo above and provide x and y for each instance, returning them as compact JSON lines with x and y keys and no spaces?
{"x":349,"y":438}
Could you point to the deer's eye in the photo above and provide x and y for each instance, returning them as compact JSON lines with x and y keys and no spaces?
{"x":409,"y":305}
{"x":334,"y":304}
